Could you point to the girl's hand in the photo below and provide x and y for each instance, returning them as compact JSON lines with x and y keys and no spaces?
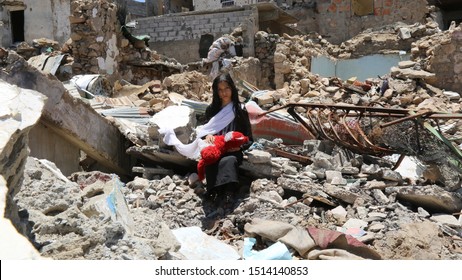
{"x":210,"y":139}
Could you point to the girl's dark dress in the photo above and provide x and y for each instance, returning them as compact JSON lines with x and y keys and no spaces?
{"x":224,"y":173}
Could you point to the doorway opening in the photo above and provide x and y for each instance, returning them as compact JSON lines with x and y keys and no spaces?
{"x":17,"y":25}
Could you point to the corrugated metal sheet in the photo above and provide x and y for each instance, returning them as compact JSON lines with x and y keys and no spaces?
{"x":47,"y":63}
{"x":135,"y":114}
{"x":101,"y":101}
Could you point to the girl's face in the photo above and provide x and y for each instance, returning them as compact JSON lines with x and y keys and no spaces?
{"x":224,"y":92}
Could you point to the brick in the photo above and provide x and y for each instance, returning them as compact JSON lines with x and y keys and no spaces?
{"x":332,"y":8}
{"x":388,"y":3}
{"x":218,"y":25}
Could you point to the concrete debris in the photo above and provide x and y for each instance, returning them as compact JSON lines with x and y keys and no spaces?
{"x":99,"y":183}
{"x":13,"y":244}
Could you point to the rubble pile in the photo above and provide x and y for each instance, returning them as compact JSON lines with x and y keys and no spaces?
{"x":289,"y":194}
{"x":395,"y":37}
{"x":440,"y":54}
{"x":67,"y":220}
{"x":324,"y":195}
{"x":191,"y":85}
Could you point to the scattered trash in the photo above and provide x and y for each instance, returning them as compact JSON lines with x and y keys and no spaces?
{"x":277,"y":251}
{"x":196,"y":245}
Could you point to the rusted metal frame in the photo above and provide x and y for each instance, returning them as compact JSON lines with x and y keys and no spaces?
{"x":344,"y":123}
{"x":321,"y":119}
{"x":339,"y":140}
{"x":361,"y":148}
{"x":329,"y":119}
{"x":379,"y":111}
{"x":376,"y":115}
{"x":299,"y":158}
{"x":398,"y":162}
{"x":321,"y":126}
{"x":376,"y":148}
{"x":361,"y":131}
{"x":294,"y":114}
{"x":403,"y":112}
{"x":308,"y":114}
{"x":411,"y":117}
{"x":319,"y":132}
{"x":372,"y":147}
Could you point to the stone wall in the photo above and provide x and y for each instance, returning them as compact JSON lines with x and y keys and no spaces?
{"x":265,"y":47}
{"x":441,"y":54}
{"x":202,"y":5}
{"x":172,"y":34}
{"x":94,"y":38}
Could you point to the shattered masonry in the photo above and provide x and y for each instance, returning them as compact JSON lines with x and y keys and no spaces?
{"x":82,"y":163}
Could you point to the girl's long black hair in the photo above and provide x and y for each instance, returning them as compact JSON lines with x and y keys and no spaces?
{"x":242,"y":118}
{"x":215,"y":107}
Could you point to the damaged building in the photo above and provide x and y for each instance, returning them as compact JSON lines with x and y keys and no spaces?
{"x":354,"y":106}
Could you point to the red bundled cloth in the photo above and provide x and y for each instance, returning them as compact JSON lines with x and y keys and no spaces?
{"x":221,"y":145}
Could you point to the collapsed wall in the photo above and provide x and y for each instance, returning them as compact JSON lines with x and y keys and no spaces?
{"x":93,"y":41}
{"x":71,"y":118}
{"x":340,"y":20}
{"x":441,"y":54}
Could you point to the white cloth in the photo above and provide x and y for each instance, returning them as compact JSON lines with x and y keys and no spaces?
{"x":192,"y":150}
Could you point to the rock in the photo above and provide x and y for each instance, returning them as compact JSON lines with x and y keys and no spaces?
{"x":340,"y":193}
{"x":412,"y":74}
{"x":454,"y":96}
{"x":380,"y":196}
{"x":404,"y":33}
{"x":257,"y":156}
{"x":431,"y":198}
{"x":448,"y":220}
{"x":406,"y":64}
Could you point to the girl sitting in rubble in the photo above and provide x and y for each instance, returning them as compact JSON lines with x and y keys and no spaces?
{"x":226,"y":113}
{"x":223,"y":176}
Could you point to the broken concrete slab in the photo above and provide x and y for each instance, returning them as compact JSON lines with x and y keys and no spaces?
{"x":13,"y":245}
{"x":20,"y":110}
{"x":413,"y":74}
{"x":340,"y":193}
{"x":431,"y":197}
{"x":70,"y":118}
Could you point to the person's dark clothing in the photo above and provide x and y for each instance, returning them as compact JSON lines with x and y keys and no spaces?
{"x":225,"y":171}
